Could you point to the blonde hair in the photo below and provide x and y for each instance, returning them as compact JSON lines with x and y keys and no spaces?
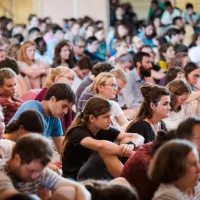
{"x":119,"y":74}
{"x":6,"y":73}
{"x":54,"y":72}
{"x":100,"y":80}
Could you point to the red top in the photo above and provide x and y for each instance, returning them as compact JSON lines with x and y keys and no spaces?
{"x":135,"y":171}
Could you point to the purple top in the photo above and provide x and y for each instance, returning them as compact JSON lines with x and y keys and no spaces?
{"x":66,"y":119}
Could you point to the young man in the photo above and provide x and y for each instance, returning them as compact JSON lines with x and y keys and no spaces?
{"x":131,"y":94}
{"x":26,"y":171}
{"x":58,"y":99}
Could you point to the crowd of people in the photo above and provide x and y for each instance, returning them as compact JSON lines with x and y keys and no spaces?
{"x":92,"y":114}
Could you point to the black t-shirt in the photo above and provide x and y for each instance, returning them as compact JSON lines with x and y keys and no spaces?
{"x":75,"y":155}
{"x":144,"y":128}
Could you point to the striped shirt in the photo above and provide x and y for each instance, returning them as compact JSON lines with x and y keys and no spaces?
{"x":47,"y":179}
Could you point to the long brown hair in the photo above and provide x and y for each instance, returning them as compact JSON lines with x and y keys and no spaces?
{"x":22,"y":56}
{"x":151,"y":94}
{"x":95,"y":106}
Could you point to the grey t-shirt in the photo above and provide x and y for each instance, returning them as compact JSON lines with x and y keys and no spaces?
{"x":46,"y":179}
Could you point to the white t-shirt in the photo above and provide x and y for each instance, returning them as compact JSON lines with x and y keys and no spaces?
{"x":6,"y":147}
{"x":170,"y":192}
{"x":116,"y":111}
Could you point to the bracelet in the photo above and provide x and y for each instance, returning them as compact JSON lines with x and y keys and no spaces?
{"x":131,"y":142}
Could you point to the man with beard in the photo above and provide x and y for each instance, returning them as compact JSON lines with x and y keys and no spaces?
{"x":26,"y":171}
{"x":148,"y":33}
{"x":131,"y":93}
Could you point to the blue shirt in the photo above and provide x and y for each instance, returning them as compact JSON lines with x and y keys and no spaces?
{"x":53,"y":126}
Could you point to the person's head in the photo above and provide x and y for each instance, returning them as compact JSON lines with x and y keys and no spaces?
{"x":156,"y":102}
{"x":121,"y":31}
{"x":178,"y":22}
{"x":24,"y":123}
{"x":173,"y":73}
{"x":121,"y":78}
{"x":41,"y":45}
{"x":30,"y":156}
{"x":167,"y":52}
{"x":105,"y":190}
{"x":89,"y":31}
{"x":59,"y":74}
{"x":101,"y":67}
{"x":142,"y":62}
{"x":62,"y":52}
{"x":191,"y":76}
{"x":92,"y":44}
{"x":168,"y":6}
{"x":79,"y":44}
{"x":105,"y":85}
{"x":57,"y":33}
{"x":148,"y":29}
{"x":7,"y":82}
{"x":119,"y":12}
{"x":180,"y":48}
{"x":96,"y":112}
{"x":189,"y":8}
{"x":13,"y":50}
{"x":180,"y":60}
{"x":27,"y":52}
{"x":179,"y":93}
{"x":154,"y":4}
{"x":125,"y":62}
{"x":174,"y":36}
{"x":74,"y":29}
{"x":59,"y":98}
{"x":148,"y":49}
{"x":84,"y":66}
{"x":33,"y":20}
{"x":136,"y":43}
{"x":121,"y":47}
{"x":2,"y":123}
{"x":189,"y":129}
{"x":4,"y":45}
{"x":33,"y":33}
{"x":176,"y":162}
{"x":19,"y":37}
{"x":161,"y":138}
{"x":9,"y":63}
{"x":99,"y":34}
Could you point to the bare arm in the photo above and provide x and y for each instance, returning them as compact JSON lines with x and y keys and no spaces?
{"x":193,"y":96}
{"x":121,"y":119}
{"x":157,"y":75}
{"x":80,"y":191}
{"x":137,"y":139}
{"x":58,"y":143}
{"x":8,"y":193}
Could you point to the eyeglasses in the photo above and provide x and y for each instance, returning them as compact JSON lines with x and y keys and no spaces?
{"x":114,"y":86}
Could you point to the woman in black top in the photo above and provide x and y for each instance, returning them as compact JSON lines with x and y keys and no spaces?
{"x":90,"y":132}
{"x":154,"y":108}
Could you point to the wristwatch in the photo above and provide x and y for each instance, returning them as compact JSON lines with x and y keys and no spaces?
{"x":131,"y":142}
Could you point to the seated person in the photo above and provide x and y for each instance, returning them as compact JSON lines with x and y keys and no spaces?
{"x":8,"y":100}
{"x":26,"y":171}
{"x":154,"y":108}
{"x":91,"y":131}
{"x":58,"y":98}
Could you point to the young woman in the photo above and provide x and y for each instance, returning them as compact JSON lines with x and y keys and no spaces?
{"x":179,"y":178}
{"x":180,"y":109}
{"x":62,"y":55}
{"x":8,"y":99}
{"x":180,"y":60}
{"x":154,"y":108}
{"x":192,"y":76}
{"x":167,"y":53}
{"x":105,"y":86}
{"x":63,"y":75}
{"x":33,"y":71}
{"x":90,"y":132}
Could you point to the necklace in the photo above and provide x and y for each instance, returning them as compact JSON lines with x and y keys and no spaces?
{"x":154,"y":127}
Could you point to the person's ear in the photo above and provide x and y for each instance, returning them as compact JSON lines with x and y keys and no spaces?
{"x":92,"y":119}
{"x":100,"y":88}
{"x":138,"y":64}
{"x":53,"y":99}
{"x":152,"y":106}
{"x":17,"y":160}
